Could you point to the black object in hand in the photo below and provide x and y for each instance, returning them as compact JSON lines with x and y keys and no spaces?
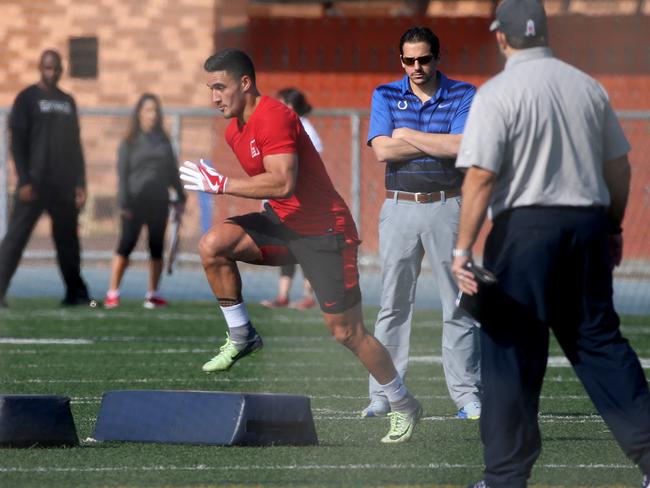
{"x":476,"y":304}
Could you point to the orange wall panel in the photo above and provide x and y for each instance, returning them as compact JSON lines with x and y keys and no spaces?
{"x":338,"y":62}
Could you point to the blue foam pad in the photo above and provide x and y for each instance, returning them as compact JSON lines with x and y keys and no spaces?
{"x":36,"y":420}
{"x":201,"y":417}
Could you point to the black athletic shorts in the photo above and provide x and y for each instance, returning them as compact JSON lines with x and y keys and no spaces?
{"x":328,"y":261}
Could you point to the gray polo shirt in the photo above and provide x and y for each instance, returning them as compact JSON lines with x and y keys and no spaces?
{"x":545,"y":129}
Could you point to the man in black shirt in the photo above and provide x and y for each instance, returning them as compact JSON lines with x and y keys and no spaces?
{"x":49,"y":162}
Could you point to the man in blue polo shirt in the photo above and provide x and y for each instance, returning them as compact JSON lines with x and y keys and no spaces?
{"x":416,"y":126}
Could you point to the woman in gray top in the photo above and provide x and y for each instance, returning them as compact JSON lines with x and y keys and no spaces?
{"x":147,"y":169}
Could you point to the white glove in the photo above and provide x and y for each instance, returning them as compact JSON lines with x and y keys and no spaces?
{"x":202,"y":178}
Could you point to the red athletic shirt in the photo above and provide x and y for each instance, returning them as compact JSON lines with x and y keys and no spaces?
{"x":315,"y":208}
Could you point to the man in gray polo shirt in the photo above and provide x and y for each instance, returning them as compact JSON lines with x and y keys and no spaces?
{"x":544,"y":151}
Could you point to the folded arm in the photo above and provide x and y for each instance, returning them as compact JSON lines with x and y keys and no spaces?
{"x":388,"y":149}
{"x":435,"y":145}
{"x":406,"y":144}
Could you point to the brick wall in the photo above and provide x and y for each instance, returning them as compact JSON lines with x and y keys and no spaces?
{"x":338,"y":61}
{"x":144,"y":45}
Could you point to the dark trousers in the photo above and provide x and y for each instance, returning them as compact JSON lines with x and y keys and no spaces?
{"x":553,"y":267}
{"x":23,"y":218}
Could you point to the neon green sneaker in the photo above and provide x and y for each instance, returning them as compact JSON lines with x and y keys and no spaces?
{"x":402,"y":425}
{"x":231,"y":352}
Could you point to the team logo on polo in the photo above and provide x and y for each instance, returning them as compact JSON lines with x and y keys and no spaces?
{"x":254,"y":150}
{"x":402,"y":105}
{"x":530,"y":28}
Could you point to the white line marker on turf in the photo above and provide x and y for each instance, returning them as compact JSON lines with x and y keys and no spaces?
{"x":553,"y":361}
{"x":294,"y":467}
{"x":32,"y":340}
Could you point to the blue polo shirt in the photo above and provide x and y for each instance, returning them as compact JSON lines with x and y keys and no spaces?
{"x":394,"y":105}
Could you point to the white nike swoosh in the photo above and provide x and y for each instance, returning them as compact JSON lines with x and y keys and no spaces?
{"x":445,"y":105}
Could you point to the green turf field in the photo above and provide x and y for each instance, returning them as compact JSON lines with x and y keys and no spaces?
{"x":133,"y":348}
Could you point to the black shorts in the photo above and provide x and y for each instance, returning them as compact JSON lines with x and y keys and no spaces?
{"x":328,"y":261}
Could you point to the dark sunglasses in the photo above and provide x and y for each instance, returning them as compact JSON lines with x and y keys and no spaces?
{"x":421,"y":59}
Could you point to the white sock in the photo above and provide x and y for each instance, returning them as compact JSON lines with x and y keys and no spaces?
{"x":236,"y":315}
{"x":113,"y":293}
{"x":395,"y":390}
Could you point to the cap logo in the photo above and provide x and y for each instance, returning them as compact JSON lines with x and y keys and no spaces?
{"x":530,"y":28}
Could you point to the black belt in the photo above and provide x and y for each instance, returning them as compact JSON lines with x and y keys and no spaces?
{"x":435,"y":196}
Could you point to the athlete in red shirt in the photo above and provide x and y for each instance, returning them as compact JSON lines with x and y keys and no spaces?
{"x":305,"y":221}
{"x":314,"y":207}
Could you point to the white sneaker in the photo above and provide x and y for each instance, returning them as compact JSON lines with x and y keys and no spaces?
{"x":471,"y":411}
{"x":377,"y":408}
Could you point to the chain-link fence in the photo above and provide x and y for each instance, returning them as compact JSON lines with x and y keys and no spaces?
{"x":351,"y":164}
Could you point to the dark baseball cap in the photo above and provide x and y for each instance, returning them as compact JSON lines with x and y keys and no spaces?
{"x":521,"y":18}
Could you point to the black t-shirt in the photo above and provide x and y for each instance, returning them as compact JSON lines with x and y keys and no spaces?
{"x":45,"y":140}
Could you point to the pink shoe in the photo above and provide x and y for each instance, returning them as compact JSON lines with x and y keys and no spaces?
{"x":304,"y":304}
{"x":154,"y":302}
{"x":112,"y":301}
{"x":275,"y":303}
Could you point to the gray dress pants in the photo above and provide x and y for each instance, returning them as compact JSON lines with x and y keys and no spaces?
{"x":408,"y":230}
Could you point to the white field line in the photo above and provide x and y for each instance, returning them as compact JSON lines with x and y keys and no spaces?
{"x":278,"y":316}
{"x":193,"y":364}
{"x":155,"y":339}
{"x":171,"y":350}
{"x":553,"y":361}
{"x":167,"y":316}
{"x":165,"y":350}
{"x":18,"y":340}
{"x":203,"y":378}
{"x":452,"y":418}
{"x":100,"y":314}
{"x":214,"y":380}
{"x":365,"y":397}
{"x":216,"y":340}
{"x":332,"y":414}
{"x":355,"y":418}
{"x":293,"y":467}
{"x":97,"y":399}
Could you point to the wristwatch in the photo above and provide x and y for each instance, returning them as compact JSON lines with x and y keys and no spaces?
{"x":461,"y":253}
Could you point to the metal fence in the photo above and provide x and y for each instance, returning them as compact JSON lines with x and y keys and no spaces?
{"x":195,"y":133}
{"x":358,"y":177}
